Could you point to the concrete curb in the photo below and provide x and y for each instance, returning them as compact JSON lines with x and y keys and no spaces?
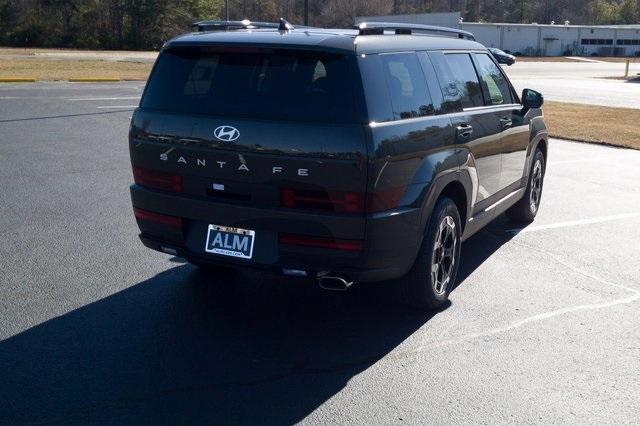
{"x":93,"y":80}
{"x":17,"y":80}
{"x":71,"y":80}
{"x":590,"y":141}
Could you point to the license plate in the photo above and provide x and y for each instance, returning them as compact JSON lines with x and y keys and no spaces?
{"x":228,"y":241}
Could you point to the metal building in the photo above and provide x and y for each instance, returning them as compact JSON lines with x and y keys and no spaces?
{"x":537,"y":39}
{"x":559,"y":40}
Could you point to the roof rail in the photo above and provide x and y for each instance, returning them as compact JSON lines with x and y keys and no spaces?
{"x":378,"y":28}
{"x":245,"y":24}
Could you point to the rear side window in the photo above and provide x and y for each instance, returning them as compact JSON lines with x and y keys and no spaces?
{"x":273,"y":84}
{"x":407,"y":85}
{"x":495,"y":83}
{"x":459,"y":81}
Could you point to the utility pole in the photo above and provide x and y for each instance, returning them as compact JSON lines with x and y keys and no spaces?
{"x":306,"y":12}
{"x":226,"y":8}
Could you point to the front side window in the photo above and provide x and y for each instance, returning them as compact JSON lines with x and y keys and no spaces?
{"x":407,"y":85}
{"x":495,"y":82}
{"x":458,"y":80}
{"x":463,"y":74}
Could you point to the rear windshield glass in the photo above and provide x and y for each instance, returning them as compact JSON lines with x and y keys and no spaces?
{"x":277,"y":85}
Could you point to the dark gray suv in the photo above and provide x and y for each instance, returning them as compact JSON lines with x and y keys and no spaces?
{"x":341,"y":156}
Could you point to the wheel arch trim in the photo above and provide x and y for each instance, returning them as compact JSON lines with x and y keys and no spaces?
{"x":437,"y":187}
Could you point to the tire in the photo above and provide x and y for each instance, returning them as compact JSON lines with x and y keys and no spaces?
{"x":525,"y":210}
{"x":423,"y":287}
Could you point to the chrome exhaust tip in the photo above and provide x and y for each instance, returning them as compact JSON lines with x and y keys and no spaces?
{"x":328,"y":282}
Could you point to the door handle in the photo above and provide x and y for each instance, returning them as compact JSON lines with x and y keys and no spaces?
{"x":464,"y":131}
{"x":505,"y":122}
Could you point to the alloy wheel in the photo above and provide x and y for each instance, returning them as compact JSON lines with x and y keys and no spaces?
{"x":443,"y":257}
{"x":536,"y":186}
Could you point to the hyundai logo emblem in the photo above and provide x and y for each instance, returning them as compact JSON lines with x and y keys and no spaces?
{"x":226,"y":133}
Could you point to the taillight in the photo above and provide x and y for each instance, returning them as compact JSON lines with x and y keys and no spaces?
{"x":333,"y":201}
{"x":385,"y":199}
{"x":157,"y":180}
{"x":157,"y":218}
{"x":330,"y":243}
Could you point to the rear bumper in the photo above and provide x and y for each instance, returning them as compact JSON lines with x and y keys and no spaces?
{"x":390,"y":239}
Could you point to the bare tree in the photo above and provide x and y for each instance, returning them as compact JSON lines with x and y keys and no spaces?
{"x":341,"y":13}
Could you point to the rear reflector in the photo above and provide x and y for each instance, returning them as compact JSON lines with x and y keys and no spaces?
{"x":385,"y":199}
{"x":169,"y":250}
{"x":333,"y":201}
{"x":342,"y":202}
{"x":330,"y":243}
{"x":157,"y":218}
{"x":157,"y":180}
{"x":294,"y":272}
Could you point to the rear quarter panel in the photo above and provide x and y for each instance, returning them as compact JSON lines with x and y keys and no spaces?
{"x":407,"y":158}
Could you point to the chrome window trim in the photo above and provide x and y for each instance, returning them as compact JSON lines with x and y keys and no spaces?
{"x":399,"y":52}
{"x":375,"y":124}
{"x":492,"y":107}
{"x":486,"y":108}
{"x":447,"y":51}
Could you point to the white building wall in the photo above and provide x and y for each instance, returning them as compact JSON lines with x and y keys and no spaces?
{"x":535,"y":39}
{"x":556,"y":40}
{"x":559,"y":40}
{"x":522,"y":39}
{"x":629,"y":34}
{"x":488,"y":34}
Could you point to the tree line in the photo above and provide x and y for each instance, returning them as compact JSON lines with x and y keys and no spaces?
{"x":146,"y":24}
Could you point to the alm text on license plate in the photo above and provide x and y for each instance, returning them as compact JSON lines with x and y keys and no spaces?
{"x":229,"y":241}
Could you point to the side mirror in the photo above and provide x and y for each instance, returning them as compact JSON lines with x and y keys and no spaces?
{"x":503,"y":60}
{"x":531,"y":99}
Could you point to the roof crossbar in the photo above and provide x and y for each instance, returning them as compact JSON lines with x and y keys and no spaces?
{"x":379,"y":28}
{"x":245,"y":24}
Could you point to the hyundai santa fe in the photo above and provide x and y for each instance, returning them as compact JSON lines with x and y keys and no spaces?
{"x":337,"y":155}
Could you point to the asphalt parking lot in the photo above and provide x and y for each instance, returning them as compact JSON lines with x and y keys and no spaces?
{"x":579,"y":82}
{"x":94,"y":328}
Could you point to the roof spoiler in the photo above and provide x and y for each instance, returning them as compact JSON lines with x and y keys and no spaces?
{"x":245,"y":24}
{"x":379,"y":28}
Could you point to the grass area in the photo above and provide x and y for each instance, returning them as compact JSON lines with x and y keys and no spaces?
{"x":42,"y":69}
{"x":631,"y":78}
{"x":64,"y":51}
{"x":596,"y":124}
{"x":616,"y":59}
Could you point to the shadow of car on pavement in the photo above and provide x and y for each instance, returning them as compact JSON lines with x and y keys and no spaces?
{"x":187,"y":346}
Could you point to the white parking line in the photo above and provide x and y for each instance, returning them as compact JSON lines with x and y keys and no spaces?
{"x":577,"y":58}
{"x":634,"y":297}
{"x":105,"y":99}
{"x":573,"y":223}
{"x":117,"y":106}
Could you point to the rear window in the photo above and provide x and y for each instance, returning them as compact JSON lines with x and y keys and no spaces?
{"x":407,"y":85}
{"x":396,"y":87}
{"x":275,"y":85}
